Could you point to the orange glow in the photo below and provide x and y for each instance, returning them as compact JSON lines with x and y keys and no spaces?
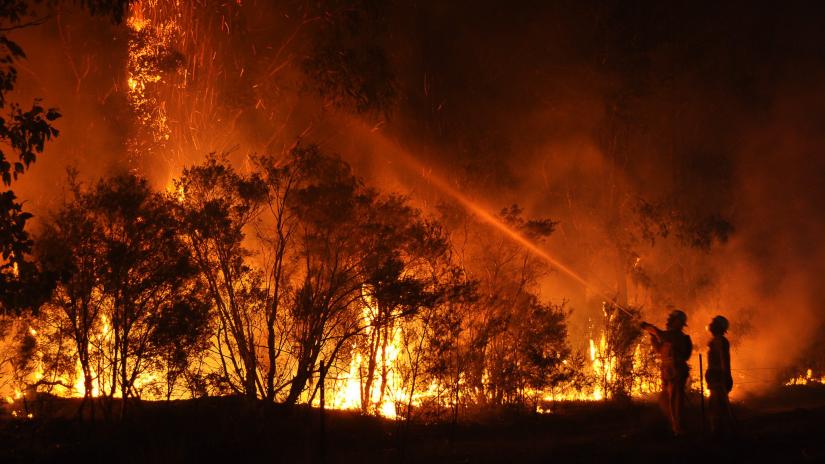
{"x":806,"y":379}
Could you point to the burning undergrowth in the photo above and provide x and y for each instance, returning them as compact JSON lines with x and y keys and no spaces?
{"x":295,"y":280}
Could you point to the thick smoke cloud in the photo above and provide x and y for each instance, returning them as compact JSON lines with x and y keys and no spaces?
{"x":715,"y":112}
{"x":576,"y":111}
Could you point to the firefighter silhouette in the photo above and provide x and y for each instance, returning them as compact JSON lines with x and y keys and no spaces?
{"x":674,"y":348}
{"x":718,"y":377}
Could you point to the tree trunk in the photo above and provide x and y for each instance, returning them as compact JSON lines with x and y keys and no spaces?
{"x":299,"y":381}
{"x":270,"y":373}
{"x":251,"y":370}
{"x":366,"y":393}
{"x":124,"y":380}
{"x":384,"y":370}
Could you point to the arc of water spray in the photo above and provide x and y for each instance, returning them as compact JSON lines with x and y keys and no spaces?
{"x":508,"y":231}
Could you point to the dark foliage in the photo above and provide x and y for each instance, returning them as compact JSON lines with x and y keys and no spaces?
{"x":347,"y":65}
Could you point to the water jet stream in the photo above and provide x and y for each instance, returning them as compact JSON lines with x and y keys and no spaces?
{"x":442,"y":185}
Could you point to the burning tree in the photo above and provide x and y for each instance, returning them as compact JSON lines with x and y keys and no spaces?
{"x":158,"y":288}
{"x":399,"y":283}
{"x":427,"y":337}
{"x":278,"y":262}
{"x":614,"y":357}
{"x":121,"y":268}
{"x":352,"y":243}
{"x":442,"y":348}
{"x":503,"y":344}
{"x":540,"y":349}
{"x":508,"y":276}
{"x":325,"y":247}
{"x":25,"y":130}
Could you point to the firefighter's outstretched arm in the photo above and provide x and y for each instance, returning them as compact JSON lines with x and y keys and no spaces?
{"x":654,"y":331}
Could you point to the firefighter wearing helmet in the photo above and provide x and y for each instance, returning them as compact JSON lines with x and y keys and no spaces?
{"x":718,"y":377}
{"x":674,"y":348}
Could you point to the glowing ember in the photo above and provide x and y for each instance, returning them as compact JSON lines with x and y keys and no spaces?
{"x":150,"y":56}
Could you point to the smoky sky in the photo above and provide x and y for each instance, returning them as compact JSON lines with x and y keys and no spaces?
{"x":573,"y":109}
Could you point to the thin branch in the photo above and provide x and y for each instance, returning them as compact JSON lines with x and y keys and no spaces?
{"x":34,"y":22}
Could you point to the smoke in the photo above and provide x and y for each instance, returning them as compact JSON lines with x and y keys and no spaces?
{"x":576,"y":111}
{"x":74,"y":64}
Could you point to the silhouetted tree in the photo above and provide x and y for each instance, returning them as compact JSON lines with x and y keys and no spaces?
{"x":68,"y":249}
{"x":181,"y":334}
{"x":508,"y":275}
{"x":538,"y":350}
{"x":331,"y":246}
{"x":216,"y":205}
{"x":446,"y":356}
{"x":351,"y":243}
{"x":450,"y":288}
{"x":493,"y":340}
{"x":398,"y":284}
{"x":23,"y":135}
{"x":280,"y":178}
{"x":638,"y":81}
{"x":125,"y":292}
{"x":146,"y":268}
{"x":24,"y":131}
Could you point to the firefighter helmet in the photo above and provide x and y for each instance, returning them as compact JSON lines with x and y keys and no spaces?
{"x":719,"y":325}
{"x":676,"y":319}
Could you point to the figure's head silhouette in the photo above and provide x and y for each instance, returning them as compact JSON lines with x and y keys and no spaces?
{"x":718,"y":326}
{"x":676,"y":320}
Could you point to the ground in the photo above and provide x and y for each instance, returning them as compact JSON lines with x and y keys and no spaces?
{"x":786,"y":426}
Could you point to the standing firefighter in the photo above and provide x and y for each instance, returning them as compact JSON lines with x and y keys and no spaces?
{"x":674,"y":348}
{"x":718,"y":377}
